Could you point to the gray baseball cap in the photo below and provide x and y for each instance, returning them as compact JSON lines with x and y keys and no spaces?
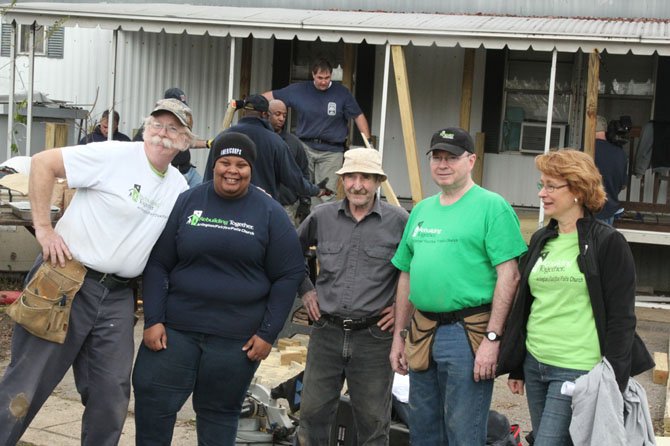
{"x":181,"y":111}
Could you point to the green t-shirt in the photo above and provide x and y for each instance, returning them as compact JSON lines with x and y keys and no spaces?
{"x":451,"y":251}
{"x":561,"y":328}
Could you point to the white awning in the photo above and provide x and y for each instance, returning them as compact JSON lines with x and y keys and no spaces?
{"x":618,"y":36}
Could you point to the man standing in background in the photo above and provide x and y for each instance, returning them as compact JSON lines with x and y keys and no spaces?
{"x":324,"y":109}
{"x":296,"y":206}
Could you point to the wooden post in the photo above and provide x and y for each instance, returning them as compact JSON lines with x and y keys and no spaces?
{"x":466,"y":87}
{"x":478,"y":170}
{"x":408,"y":132}
{"x":349,"y":65}
{"x":591,"y":103}
{"x":55,"y":135}
{"x":245,"y":66}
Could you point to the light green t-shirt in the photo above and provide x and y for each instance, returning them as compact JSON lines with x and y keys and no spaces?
{"x":561,"y":328}
{"x":451,"y":251}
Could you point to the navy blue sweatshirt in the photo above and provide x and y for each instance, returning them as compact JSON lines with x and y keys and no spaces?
{"x":230,"y":268}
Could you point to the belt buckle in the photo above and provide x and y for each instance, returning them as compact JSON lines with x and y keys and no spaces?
{"x":347,"y":324}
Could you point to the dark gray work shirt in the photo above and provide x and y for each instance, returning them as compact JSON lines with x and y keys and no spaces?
{"x":356,"y":277}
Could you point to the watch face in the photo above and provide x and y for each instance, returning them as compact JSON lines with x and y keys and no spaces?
{"x":492,"y":336}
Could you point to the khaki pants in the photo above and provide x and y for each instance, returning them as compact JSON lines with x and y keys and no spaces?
{"x":322,"y":165}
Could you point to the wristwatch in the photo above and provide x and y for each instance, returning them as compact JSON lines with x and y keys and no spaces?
{"x":493,"y":336}
{"x":403,"y":333}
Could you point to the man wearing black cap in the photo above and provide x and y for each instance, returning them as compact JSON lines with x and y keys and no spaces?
{"x":462,"y":245}
{"x":125,"y":193}
{"x":274,"y":164}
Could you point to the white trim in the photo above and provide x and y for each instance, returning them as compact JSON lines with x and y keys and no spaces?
{"x":646,"y":237}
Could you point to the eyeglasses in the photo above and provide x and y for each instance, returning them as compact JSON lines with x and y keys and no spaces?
{"x":550,"y":188}
{"x":169,"y":128}
{"x":450,"y":159}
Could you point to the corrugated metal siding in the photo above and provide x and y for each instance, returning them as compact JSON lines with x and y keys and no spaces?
{"x":150,"y":63}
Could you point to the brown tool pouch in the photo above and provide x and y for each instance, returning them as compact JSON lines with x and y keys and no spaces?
{"x":475,"y":328}
{"x":43,"y":308}
{"x":419,"y":342}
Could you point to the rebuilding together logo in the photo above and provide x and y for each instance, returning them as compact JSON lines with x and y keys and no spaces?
{"x":197,"y":219}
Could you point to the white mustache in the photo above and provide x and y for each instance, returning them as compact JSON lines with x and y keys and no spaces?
{"x":166,"y":142}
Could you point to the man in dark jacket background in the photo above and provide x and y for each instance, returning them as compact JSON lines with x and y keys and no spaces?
{"x":296,"y":206}
{"x":274,"y":164}
{"x":101,"y":131}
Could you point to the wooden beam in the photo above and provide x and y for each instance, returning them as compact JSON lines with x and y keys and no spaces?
{"x":591,"y":103}
{"x":660,"y":373}
{"x":408,"y":132}
{"x":478,"y":170}
{"x":466,"y":87}
{"x":245,"y":66}
{"x":349,"y":66}
{"x":55,"y":135}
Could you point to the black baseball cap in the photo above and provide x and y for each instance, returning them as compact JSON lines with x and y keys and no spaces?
{"x":453,"y":140}
{"x":256,"y":102}
{"x":175,"y":93}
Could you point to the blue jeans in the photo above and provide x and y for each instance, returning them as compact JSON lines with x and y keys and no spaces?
{"x":550,"y":412}
{"x":98,"y":346}
{"x":447,"y":406}
{"x":214,"y":369}
{"x":360,"y":356}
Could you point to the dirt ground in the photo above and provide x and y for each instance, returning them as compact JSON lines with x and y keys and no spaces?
{"x":5,"y":334}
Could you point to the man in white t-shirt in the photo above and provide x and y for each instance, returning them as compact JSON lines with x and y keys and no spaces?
{"x":125,"y":192}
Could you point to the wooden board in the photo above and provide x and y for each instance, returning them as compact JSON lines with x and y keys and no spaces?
{"x":660,"y":372}
{"x":408,"y":132}
{"x":466,"y":87}
{"x":591,"y":103}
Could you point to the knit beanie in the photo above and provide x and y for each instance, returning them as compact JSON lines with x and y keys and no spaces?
{"x":234,"y":144}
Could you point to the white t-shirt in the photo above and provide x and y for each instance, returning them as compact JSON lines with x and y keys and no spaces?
{"x":120,"y":208}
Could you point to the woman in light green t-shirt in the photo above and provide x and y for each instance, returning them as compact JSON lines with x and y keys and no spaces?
{"x":576,"y":297}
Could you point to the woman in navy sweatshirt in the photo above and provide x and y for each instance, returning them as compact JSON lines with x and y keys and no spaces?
{"x":217,"y":289}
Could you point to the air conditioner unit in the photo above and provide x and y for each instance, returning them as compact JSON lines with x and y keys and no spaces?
{"x":533,"y":134}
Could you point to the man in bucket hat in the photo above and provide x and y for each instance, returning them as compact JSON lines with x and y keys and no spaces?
{"x":458,"y":256}
{"x":125,"y":193}
{"x":352,"y":305}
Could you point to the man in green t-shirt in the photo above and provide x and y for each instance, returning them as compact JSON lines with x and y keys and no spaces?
{"x":458,"y":258}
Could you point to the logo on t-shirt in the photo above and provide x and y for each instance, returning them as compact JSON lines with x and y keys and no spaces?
{"x":198,"y":219}
{"x":144,"y":203}
{"x":332,"y":109}
{"x":194,"y":218}
{"x":420,"y":231}
{"x":134,"y":193}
